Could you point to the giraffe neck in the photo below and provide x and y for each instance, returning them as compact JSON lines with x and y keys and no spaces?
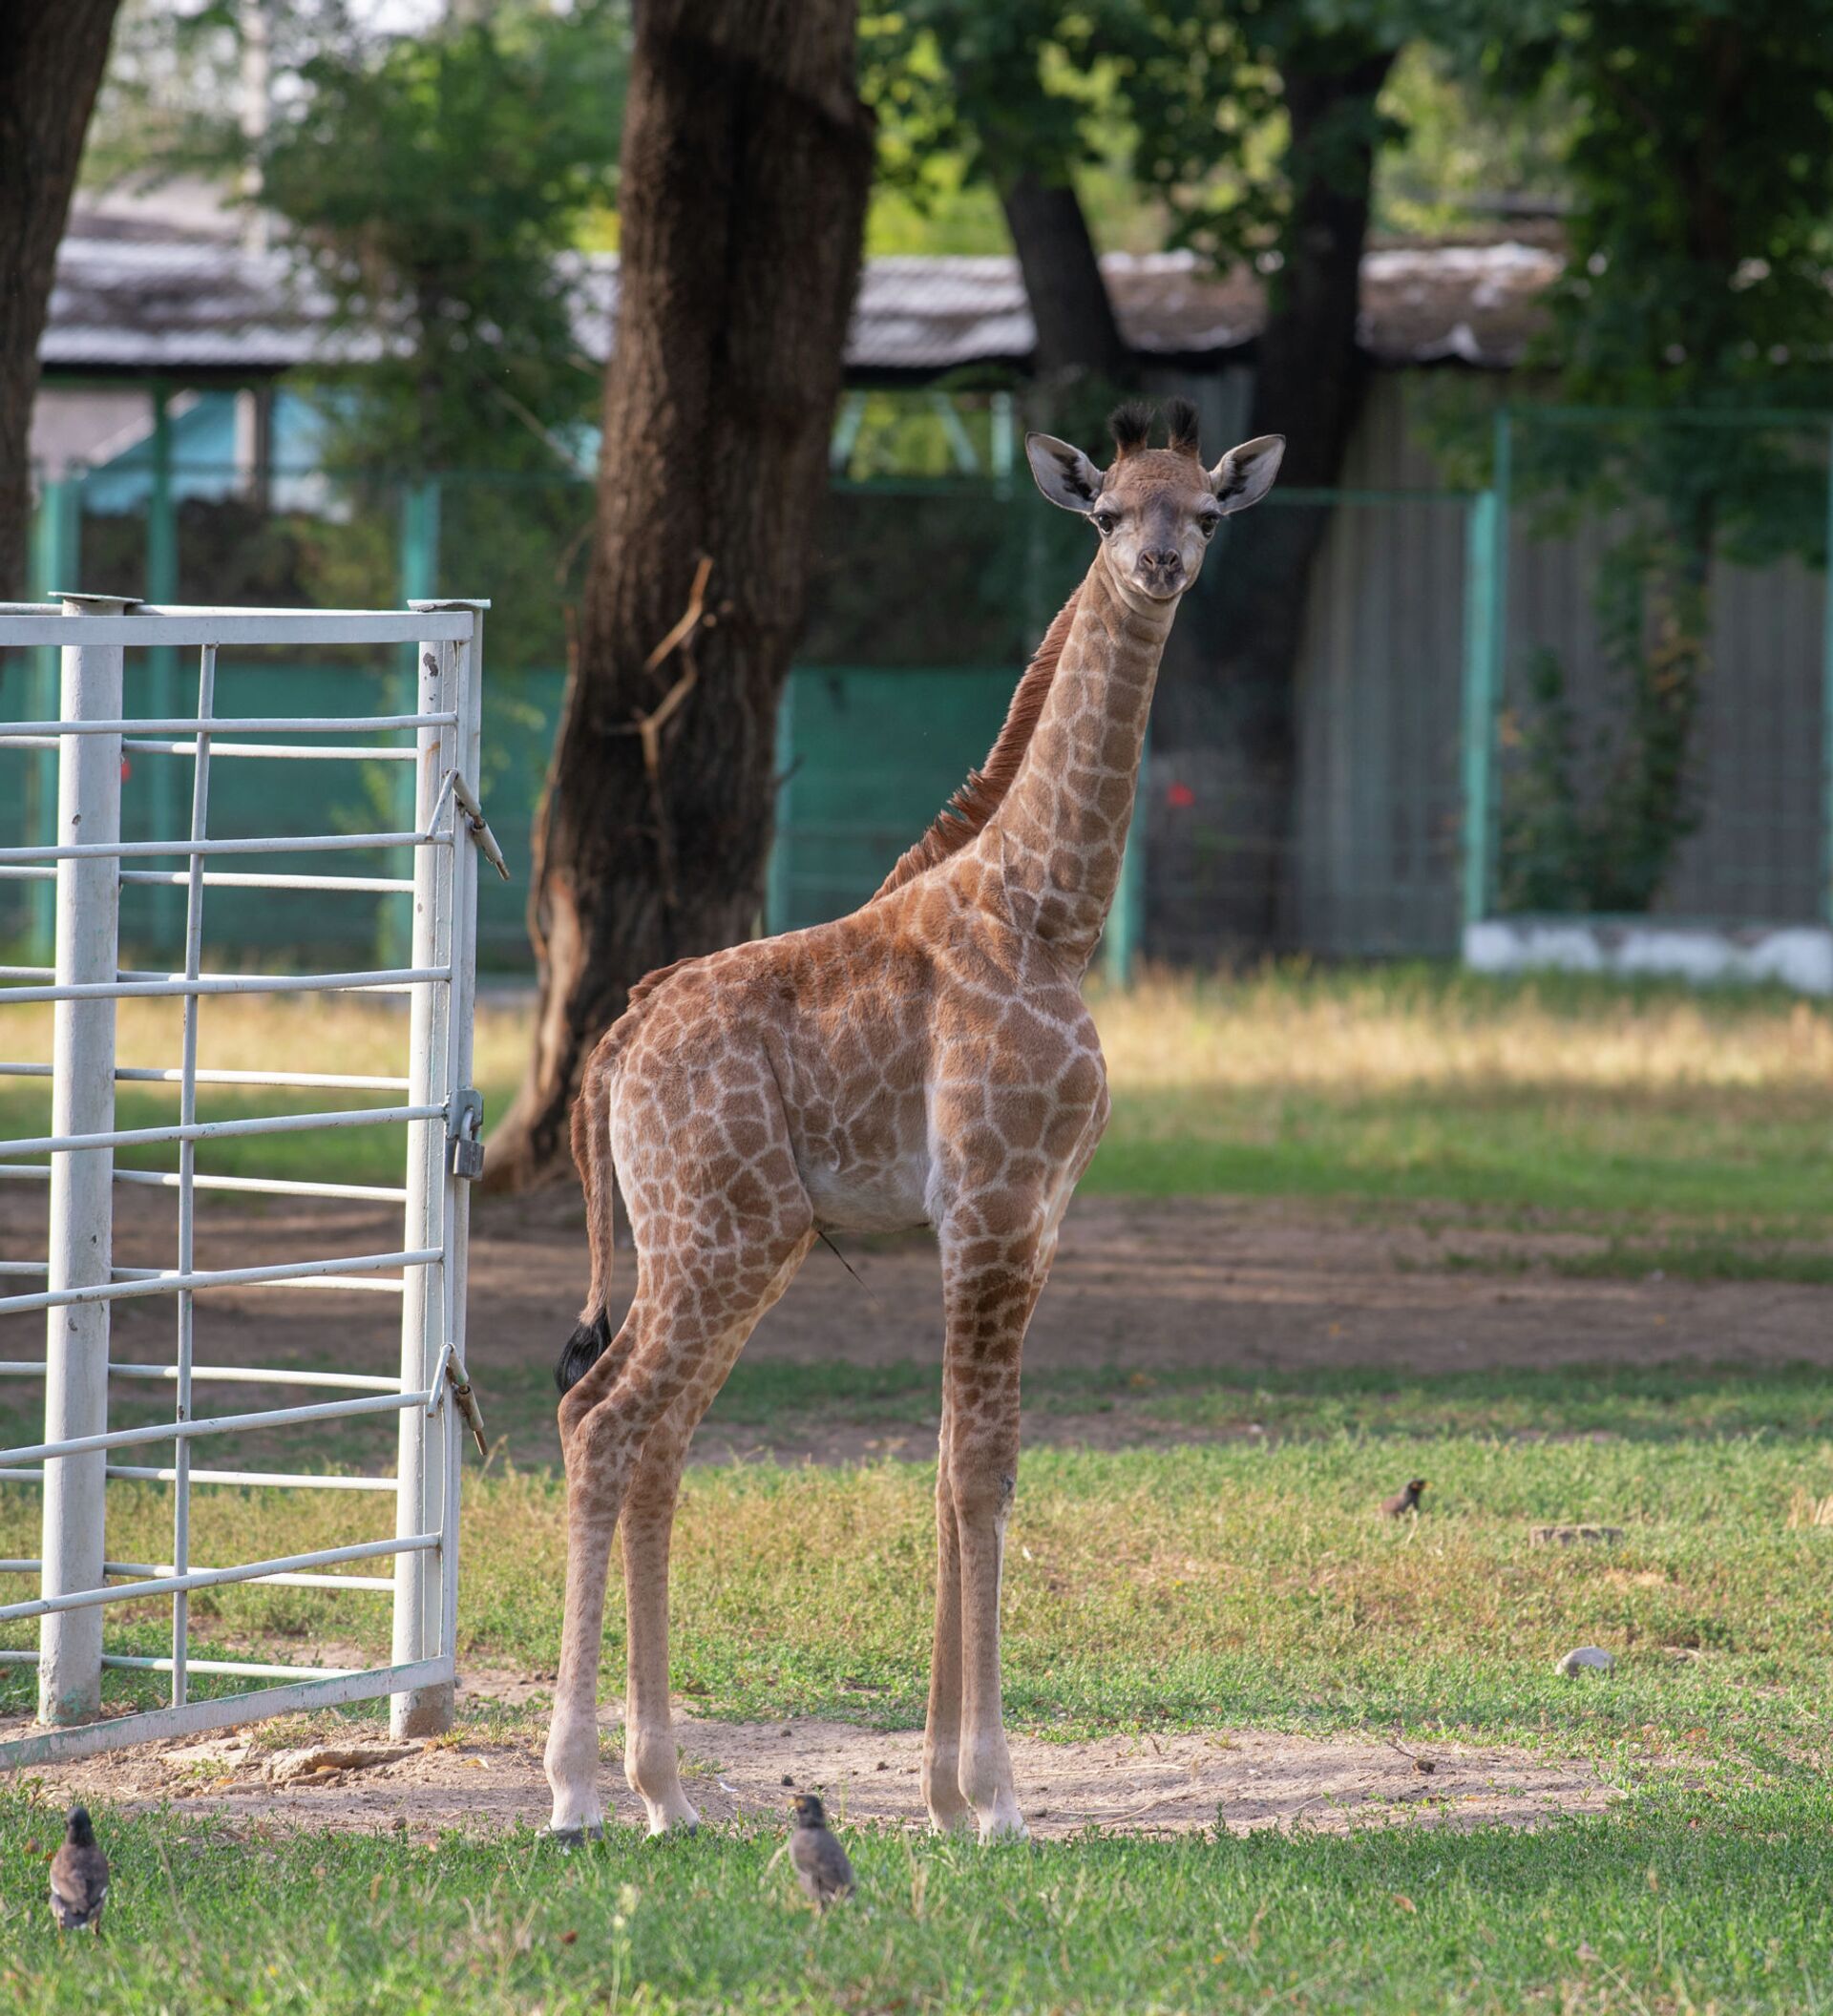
{"x":1059,"y":835}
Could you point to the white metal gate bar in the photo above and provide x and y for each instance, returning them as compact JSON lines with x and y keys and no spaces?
{"x":57,"y":1745}
{"x":321,"y":1080}
{"x":333,"y":753}
{"x":176,"y":878}
{"x":260,"y":1185}
{"x":422,"y":623}
{"x":139,"y":849}
{"x":54,"y":731}
{"x":440,"y":1114}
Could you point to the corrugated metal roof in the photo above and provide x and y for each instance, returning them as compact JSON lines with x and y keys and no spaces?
{"x":140,"y":300}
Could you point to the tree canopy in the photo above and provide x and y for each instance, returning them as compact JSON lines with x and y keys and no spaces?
{"x":435,"y":186}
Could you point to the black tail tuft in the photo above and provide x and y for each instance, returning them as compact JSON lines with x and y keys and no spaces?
{"x":583,"y":1350}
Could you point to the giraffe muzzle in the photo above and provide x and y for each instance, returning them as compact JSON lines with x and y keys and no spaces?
{"x":1160,"y":573}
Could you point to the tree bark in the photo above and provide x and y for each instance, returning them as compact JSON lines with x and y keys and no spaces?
{"x":1310,"y":378}
{"x":52,"y":57}
{"x":746,"y":166}
{"x":1077,"y":329}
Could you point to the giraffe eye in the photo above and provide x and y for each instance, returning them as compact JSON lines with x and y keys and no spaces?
{"x":1104,"y":522}
{"x":1207,"y":524}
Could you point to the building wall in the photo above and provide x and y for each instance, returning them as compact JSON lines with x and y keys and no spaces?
{"x":1377,"y":821}
{"x":1375,"y":827}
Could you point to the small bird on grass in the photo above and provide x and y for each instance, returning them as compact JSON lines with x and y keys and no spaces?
{"x":821,"y":1864}
{"x":1404,"y":1501}
{"x":78,"y":1876}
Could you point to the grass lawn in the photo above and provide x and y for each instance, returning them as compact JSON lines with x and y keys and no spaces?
{"x":1248,"y":1582}
{"x":1707,"y":1901}
{"x":1244,"y":1580}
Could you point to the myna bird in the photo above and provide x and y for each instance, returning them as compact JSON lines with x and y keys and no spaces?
{"x":821,"y":1864}
{"x":1404,"y":1501}
{"x":78,"y":1876}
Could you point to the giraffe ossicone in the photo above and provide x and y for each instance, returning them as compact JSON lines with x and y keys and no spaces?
{"x":926,"y":1061}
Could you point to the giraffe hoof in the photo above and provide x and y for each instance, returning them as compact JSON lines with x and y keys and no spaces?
{"x":567,"y":1839}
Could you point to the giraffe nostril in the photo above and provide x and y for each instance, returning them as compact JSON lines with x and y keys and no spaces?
{"x":1161,"y":559}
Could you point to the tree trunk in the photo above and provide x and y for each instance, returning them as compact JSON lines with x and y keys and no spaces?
{"x":1310,"y":378}
{"x":746,"y":161}
{"x":1077,"y":331}
{"x":51,"y":65}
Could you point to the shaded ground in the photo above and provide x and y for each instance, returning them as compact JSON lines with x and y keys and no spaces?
{"x":740,"y":1771}
{"x":1140,"y":1287}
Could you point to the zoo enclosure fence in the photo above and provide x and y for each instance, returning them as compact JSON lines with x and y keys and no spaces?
{"x":95,"y":739}
{"x":1444,"y":575}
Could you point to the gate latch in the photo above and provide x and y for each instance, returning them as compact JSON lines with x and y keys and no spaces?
{"x":450,"y":1373}
{"x":465,"y":1131}
{"x":479,"y":826}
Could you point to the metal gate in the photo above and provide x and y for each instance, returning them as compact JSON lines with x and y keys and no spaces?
{"x":89,"y":865}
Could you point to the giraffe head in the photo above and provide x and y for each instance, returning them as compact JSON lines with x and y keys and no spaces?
{"x":1156,"y":509}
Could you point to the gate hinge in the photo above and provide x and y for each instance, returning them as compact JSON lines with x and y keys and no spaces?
{"x":479,"y":826}
{"x":450,"y":1373}
{"x":465,"y":1131}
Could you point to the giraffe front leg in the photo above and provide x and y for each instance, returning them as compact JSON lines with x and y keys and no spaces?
{"x":984,"y":1485}
{"x":990,"y":1289}
{"x":948,"y":1807}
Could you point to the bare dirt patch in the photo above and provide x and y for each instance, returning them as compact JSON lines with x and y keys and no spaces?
{"x":1145,"y":1284}
{"x":736,"y":1771}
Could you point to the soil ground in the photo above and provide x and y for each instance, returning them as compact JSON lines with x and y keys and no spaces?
{"x":744,"y":1771}
{"x":1221,"y":1284}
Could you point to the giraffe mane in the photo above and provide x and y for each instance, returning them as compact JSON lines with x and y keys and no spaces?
{"x":967,"y":813}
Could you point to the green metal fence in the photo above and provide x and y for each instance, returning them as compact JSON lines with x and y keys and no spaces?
{"x":1649,"y":667}
{"x":1424,"y":724}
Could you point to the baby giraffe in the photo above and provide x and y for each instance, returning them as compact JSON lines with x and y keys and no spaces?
{"x":926,"y":1061}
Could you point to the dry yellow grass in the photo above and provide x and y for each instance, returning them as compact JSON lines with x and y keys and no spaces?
{"x":1365,"y":1032}
{"x":1376,"y":1032}
{"x":1411,"y":1083}
{"x":289,"y":1033}
{"x":1805,"y":1509}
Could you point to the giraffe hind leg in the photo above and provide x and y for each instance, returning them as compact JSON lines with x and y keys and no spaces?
{"x":651,"y":1756}
{"x":716,"y":1245}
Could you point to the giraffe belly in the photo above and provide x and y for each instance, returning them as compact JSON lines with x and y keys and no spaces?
{"x":887,"y":1197}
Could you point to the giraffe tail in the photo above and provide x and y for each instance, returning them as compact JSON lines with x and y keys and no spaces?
{"x":592,"y":1153}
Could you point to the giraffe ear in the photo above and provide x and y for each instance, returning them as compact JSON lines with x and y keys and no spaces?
{"x":1245,"y":475}
{"x":1064,"y":475}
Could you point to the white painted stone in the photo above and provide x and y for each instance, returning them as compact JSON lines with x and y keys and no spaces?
{"x":1593,"y":1656}
{"x":1798,"y":955}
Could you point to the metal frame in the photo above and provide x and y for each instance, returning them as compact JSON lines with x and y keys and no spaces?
{"x":72,"y":1460}
{"x":1486,"y":617}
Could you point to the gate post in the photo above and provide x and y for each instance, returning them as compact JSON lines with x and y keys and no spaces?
{"x":89,"y":809}
{"x":420,"y":1500}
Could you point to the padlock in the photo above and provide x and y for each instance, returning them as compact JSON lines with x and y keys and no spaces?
{"x":467,"y":1126}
